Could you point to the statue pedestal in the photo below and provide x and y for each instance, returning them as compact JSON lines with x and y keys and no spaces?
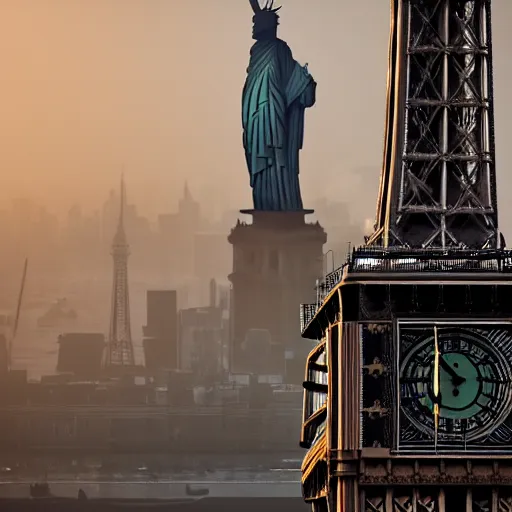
{"x":276,"y":262}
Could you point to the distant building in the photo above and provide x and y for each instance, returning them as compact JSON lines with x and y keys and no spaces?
{"x":161,"y":331}
{"x":189,"y":208}
{"x":81,"y":353}
{"x":202,"y":336}
{"x":177,"y":232}
{"x":13,"y":388}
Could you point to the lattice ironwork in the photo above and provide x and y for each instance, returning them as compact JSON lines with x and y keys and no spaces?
{"x":307,"y":312}
{"x":403,"y":504}
{"x":120,"y":347}
{"x":403,"y":499}
{"x":427,"y":500}
{"x":438,"y":185}
{"x":505,"y":504}
{"x":417,"y":500}
{"x":482,"y":506}
{"x":426,"y":504}
{"x":375,"y":504}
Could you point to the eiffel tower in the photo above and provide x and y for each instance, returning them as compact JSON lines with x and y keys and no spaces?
{"x":119,"y":351}
{"x":439,"y":184}
{"x":408,"y":394}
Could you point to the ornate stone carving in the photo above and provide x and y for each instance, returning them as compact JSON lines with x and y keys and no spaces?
{"x":432,"y":472}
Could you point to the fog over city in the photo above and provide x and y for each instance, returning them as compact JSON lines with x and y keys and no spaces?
{"x":152,"y":89}
{"x":90,"y":87}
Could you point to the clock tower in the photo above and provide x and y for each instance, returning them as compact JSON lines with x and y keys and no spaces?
{"x":408,"y":394}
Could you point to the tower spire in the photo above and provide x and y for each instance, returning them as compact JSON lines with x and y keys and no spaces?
{"x":120,"y":346}
{"x":438,"y":182}
{"x":120,"y":236}
{"x":122,"y":199}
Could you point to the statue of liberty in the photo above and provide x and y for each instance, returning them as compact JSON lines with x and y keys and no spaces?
{"x":276,"y":93}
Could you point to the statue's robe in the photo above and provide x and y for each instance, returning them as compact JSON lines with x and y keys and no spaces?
{"x":276,"y":93}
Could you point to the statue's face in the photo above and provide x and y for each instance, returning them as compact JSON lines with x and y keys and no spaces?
{"x":264,"y":28}
{"x":256,"y":28}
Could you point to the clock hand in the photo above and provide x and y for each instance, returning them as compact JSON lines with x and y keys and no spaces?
{"x":436,"y":386}
{"x":457,"y":380}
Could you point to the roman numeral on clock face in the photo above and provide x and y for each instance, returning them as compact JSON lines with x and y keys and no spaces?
{"x":422,"y":358}
{"x":505,"y":429}
{"x":494,"y":380}
{"x":489,"y":410}
{"x":477,"y":354}
{"x":502,"y":434}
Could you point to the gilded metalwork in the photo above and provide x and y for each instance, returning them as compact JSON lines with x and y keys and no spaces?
{"x":377,"y":398}
{"x":314,"y":423}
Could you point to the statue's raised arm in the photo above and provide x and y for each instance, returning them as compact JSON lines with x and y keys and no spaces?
{"x":276,"y":93}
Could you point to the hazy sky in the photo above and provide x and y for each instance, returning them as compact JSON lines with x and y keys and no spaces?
{"x":88,"y":85}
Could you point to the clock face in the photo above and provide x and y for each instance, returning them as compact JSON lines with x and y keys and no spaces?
{"x":455,"y":383}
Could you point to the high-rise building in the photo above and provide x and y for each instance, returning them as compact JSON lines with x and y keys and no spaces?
{"x":161,"y":331}
{"x":177,"y":233}
{"x":409,"y":391}
{"x":202,"y":333}
{"x":81,"y":353}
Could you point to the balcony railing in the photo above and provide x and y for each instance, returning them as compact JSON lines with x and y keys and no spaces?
{"x":375,"y":259}
{"x":399,"y":259}
{"x":307,"y":312}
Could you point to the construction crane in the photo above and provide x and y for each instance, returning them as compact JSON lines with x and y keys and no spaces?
{"x":17,"y":317}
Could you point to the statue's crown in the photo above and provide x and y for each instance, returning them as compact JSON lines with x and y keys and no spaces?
{"x":267,"y":10}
